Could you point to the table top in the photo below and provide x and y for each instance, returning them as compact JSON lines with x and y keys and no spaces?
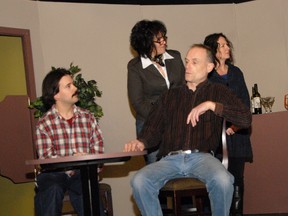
{"x":92,"y":158}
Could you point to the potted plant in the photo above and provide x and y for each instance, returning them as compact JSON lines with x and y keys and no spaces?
{"x":87,"y":93}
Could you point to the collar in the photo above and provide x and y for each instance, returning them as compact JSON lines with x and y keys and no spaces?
{"x":200,"y":85}
{"x":147,"y":62}
{"x":76,"y":111}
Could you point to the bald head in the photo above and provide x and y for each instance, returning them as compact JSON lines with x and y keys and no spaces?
{"x":199,"y":63}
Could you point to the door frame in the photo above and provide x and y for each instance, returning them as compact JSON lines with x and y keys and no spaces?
{"x":24,"y":34}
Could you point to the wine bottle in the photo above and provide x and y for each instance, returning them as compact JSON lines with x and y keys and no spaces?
{"x":252,"y":101}
{"x":257,"y":100}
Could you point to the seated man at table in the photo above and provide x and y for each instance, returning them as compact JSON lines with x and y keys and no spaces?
{"x":186,"y":121}
{"x":64,"y":130}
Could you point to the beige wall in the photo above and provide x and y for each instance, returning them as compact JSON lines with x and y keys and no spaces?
{"x":96,"y":37}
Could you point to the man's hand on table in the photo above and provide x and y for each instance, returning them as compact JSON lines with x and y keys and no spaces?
{"x":134,"y":145}
{"x":99,"y":169}
{"x":80,"y":153}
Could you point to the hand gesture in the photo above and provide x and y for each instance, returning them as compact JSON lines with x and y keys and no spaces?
{"x":193,"y":116}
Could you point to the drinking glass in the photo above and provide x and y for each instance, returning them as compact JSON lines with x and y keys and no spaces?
{"x":286,"y":101}
{"x":267,"y":103}
{"x":270,"y":103}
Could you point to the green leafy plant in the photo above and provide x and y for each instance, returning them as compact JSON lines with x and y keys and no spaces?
{"x":87,"y":93}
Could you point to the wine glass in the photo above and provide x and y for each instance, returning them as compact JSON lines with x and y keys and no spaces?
{"x":264,"y":103}
{"x":271,"y":101}
{"x":286,"y":101}
{"x":267,"y":103}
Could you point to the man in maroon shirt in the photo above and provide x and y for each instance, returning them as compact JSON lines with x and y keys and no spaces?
{"x":186,"y":121}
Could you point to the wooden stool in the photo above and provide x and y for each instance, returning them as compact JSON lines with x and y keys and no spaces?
{"x":190,"y":187}
{"x":105,"y":197}
{"x":177,"y":189}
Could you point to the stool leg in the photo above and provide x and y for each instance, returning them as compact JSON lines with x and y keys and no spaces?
{"x":106,"y":198}
{"x":177,"y":204}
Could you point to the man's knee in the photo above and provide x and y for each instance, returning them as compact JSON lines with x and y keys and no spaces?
{"x":137,"y":181}
{"x":224,"y":180}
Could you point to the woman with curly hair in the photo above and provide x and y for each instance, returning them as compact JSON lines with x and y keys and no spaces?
{"x":152,"y":72}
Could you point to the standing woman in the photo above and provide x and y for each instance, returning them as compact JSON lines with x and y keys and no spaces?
{"x":152,"y":72}
{"x":238,"y":141}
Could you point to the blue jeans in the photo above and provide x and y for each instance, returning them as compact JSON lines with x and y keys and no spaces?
{"x":50,"y":193}
{"x":147,"y":182}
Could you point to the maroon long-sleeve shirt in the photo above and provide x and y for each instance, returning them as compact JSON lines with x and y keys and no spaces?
{"x":166,"y":125}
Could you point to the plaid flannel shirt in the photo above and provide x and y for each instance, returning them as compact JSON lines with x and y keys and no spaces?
{"x":55,"y":137}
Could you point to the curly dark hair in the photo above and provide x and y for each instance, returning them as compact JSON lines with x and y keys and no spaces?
{"x":211,"y":41}
{"x":50,"y":86}
{"x":142,"y":34}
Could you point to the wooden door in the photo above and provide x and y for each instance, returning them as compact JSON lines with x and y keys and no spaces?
{"x":17,"y":123}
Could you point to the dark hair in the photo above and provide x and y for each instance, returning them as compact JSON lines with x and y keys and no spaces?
{"x":142,"y":35}
{"x":210,"y":56}
{"x":50,"y":86}
{"x":211,"y":41}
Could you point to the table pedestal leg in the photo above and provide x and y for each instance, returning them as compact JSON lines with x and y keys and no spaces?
{"x":90,"y":187}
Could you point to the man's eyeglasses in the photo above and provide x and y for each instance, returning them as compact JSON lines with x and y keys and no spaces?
{"x":161,"y":39}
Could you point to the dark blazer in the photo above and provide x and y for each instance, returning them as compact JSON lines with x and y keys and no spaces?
{"x":146,"y":85}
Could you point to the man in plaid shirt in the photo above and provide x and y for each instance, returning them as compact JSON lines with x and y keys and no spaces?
{"x":64,"y":130}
